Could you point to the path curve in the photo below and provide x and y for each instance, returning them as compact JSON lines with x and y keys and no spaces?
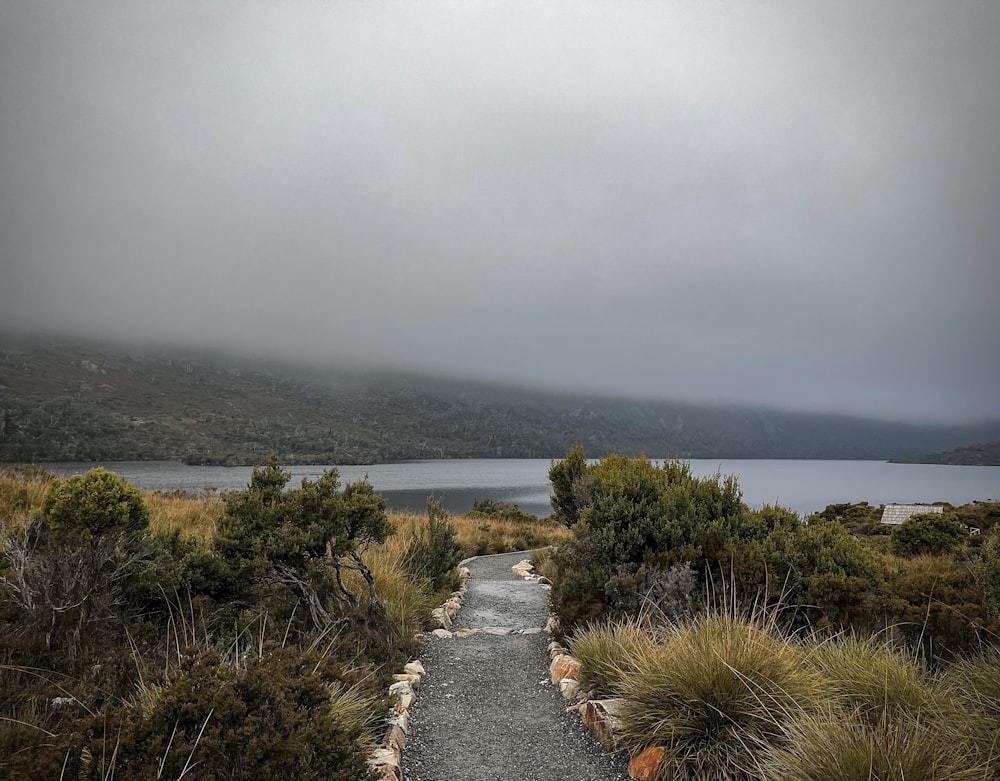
{"x":487,"y":710}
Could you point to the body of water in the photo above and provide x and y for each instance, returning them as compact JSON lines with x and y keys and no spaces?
{"x":803,"y":486}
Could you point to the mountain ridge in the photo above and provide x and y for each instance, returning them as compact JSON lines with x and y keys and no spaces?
{"x":984,"y":454}
{"x":75,"y":400}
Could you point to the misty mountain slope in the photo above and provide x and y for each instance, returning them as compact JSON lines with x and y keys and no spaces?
{"x":64,"y":401}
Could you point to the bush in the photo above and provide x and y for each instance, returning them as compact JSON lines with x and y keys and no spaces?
{"x":629,"y":514}
{"x":987,"y":573}
{"x":88,"y":506}
{"x":502,"y":511}
{"x":829,"y":570}
{"x":568,"y":478}
{"x":75,"y":567}
{"x":937,"y":534}
{"x":434,"y":552}
{"x":284,"y":715}
{"x":934,"y":604}
{"x":302,"y":538}
{"x":671,"y":591}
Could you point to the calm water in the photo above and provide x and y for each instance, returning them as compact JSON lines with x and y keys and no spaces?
{"x":804,"y":486}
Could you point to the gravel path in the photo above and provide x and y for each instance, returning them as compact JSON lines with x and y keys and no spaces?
{"x":486,"y":710}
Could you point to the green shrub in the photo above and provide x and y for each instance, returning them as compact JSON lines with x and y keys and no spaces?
{"x":568,"y":478}
{"x":282,"y":715}
{"x":934,"y":604}
{"x":72,"y":578}
{"x":633,"y":520}
{"x":831,"y":571}
{"x":434,"y":552}
{"x":672,"y":591}
{"x":302,"y":539}
{"x":935,"y":534}
{"x":987,"y":573}
{"x":88,"y":506}
{"x":503,"y":511}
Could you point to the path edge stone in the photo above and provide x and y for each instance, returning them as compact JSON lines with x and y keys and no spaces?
{"x":386,"y":759}
{"x":599,"y":716}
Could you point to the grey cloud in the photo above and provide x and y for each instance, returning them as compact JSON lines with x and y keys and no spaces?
{"x":778,"y":203}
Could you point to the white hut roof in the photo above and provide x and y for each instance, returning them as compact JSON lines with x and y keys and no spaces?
{"x":897,"y":513}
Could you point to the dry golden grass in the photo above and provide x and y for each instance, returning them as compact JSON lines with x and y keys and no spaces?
{"x":478,"y":536}
{"x":195,"y":517}
{"x":407,"y":603}
{"x":22,"y":490}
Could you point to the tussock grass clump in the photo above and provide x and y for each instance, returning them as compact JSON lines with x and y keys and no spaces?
{"x":873,"y":679}
{"x":716,"y":694}
{"x":975,"y":685}
{"x":407,"y":604}
{"x":848,"y":746}
{"x":608,"y":651}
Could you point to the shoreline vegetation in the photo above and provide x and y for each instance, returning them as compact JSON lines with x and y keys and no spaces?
{"x":743,"y":644}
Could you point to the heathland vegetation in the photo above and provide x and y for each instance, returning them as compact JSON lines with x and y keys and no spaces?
{"x":64,"y":401}
{"x":252,"y":635}
{"x":754,"y":644}
{"x":247,"y":636}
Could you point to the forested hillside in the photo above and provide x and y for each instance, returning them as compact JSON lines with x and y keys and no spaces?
{"x":972,"y":455}
{"x":79,"y":401}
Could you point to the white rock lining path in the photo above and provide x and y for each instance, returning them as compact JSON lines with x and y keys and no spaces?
{"x":485,"y":712}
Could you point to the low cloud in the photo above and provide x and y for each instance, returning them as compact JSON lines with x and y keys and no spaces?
{"x":762,"y":203}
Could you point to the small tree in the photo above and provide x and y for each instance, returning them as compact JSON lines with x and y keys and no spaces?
{"x":568,"y":480}
{"x":76,"y":562}
{"x":303,"y":538}
{"x":434,"y":552}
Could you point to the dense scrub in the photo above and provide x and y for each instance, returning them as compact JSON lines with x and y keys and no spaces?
{"x":238,"y":637}
{"x":655,"y":537}
{"x":754,"y":644}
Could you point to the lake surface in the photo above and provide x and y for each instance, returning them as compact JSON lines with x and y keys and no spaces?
{"x":803,"y":486}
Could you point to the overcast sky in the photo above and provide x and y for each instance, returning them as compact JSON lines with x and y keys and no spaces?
{"x":789,"y":203}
